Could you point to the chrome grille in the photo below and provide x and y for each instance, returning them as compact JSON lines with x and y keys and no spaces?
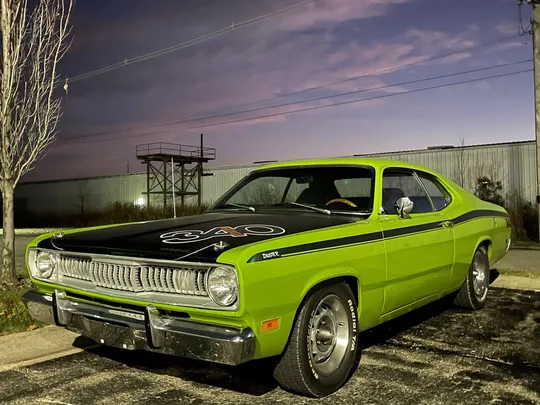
{"x":188,"y":281}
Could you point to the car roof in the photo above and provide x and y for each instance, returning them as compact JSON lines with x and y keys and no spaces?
{"x":353,"y":160}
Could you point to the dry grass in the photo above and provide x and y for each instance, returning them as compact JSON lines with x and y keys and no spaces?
{"x":524,"y":219}
{"x":14,"y":316}
{"x":519,"y":273}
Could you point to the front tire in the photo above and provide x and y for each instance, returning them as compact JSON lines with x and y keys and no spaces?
{"x":322,"y":347}
{"x":473,"y":292}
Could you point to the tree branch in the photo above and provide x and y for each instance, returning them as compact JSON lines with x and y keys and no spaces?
{"x":30,"y":109}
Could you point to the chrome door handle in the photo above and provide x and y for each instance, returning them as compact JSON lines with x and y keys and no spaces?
{"x":447,"y":224}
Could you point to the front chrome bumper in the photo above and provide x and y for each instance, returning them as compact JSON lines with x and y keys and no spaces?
{"x":144,"y":330}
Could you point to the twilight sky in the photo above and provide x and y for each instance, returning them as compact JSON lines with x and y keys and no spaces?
{"x":320,"y":43}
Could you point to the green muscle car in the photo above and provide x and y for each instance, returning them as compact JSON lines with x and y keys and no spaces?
{"x":293,"y":262}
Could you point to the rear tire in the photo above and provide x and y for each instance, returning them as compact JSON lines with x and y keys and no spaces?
{"x":322,"y":347}
{"x":473,"y":292}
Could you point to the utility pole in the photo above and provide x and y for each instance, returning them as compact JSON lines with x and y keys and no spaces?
{"x":536,"y":50}
{"x":200,"y":172}
{"x":535,"y":23}
{"x":173,"y":188}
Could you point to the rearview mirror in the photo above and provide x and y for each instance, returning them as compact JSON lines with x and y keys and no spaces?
{"x":307,"y":179}
{"x":404,"y":206}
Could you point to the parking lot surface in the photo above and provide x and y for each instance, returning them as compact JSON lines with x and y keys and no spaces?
{"x":436,"y":355}
{"x":520,"y":259}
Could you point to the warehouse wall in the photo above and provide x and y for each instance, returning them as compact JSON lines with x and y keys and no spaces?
{"x":97,"y":192}
{"x":512,"y":163}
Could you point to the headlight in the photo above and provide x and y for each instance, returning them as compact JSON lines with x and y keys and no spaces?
{"x":222,"y":285}
{"x":45,"y":265}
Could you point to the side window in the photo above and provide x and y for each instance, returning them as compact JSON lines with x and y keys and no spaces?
{"x":438,"y":194}
{"x":396,"y":184}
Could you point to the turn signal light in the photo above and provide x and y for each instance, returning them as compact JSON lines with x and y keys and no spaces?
{"x":270,"y":325}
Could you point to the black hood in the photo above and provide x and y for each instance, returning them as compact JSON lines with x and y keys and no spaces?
{"x":194,"y":236}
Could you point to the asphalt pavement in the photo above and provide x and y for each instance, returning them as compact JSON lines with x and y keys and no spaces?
{"x":520,"y":259}
{"x":435,"y":355}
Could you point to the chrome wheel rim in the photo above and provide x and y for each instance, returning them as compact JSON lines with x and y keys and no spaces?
{"x":480,"y":275}
{"x":328,"y":334}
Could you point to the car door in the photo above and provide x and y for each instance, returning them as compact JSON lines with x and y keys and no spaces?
{"x":419,"y":246}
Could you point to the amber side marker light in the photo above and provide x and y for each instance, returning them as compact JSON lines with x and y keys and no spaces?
{"x":270,"y":325}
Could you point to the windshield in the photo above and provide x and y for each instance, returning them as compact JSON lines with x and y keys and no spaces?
{"x":330,"y":188}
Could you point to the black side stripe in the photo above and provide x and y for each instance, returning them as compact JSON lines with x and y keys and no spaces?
{"x":478,"y":214}
{"x":369,"y":237}
{"x":324,"y":244}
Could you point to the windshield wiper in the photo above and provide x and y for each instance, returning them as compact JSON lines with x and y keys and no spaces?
{"x":329,"y":212}
{"x":246,"y":207}
{"x":323,"y":210}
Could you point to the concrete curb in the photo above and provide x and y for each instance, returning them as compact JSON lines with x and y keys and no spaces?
{"x":517,"y":282}
{"x":30,"y":347}
{"x":33,"y":231}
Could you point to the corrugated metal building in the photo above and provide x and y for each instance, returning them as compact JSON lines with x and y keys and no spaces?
{"x":97,"y":192}
{"x":514,"y":164}
{"x":511,"y":163}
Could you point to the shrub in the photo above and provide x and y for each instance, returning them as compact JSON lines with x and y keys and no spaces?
{"x":523,"y":215}
{"x":524,"y":220}
{"x":114,"y":213}
{"x":490,"y":190}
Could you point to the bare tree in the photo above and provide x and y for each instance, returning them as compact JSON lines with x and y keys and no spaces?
{"x":493,"y":170}
{"x":82,"y":201}
{"x":461,"y":164}
{"x":33,"y":43}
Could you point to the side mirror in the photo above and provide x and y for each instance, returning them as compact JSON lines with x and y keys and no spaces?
{"x":404,"y":206}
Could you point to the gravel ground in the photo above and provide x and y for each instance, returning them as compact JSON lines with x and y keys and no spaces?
{"x":436,"y":355}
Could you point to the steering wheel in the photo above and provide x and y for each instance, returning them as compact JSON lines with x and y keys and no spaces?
{"x":342,"y":200}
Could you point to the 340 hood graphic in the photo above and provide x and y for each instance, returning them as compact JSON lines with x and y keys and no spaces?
{"x":240,"y":231}
{"x":174,"y":238}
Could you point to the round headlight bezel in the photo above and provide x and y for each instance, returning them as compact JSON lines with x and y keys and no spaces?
{"x":52,"y":260}
{"x":234,"y":279}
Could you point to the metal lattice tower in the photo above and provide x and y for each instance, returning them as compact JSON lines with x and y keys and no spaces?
{"x":174,"y":170}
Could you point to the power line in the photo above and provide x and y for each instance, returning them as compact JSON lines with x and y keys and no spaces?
{"x":349,"y":93}
{"x":384,"y":71}
{"x":318,"y":87}
{"x":312,"y":108}
{"x":190,"y":42}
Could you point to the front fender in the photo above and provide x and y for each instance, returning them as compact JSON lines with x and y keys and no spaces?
{"x":329,"y":274}
{"x":275,"y":288}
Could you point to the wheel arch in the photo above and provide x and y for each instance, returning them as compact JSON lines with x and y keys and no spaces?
{"x":346,"y":276}
{"x":315,"y":283}
{"x":487,"y":243}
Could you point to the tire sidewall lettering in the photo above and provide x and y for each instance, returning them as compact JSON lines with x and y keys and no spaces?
{"x":354,"y":324}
